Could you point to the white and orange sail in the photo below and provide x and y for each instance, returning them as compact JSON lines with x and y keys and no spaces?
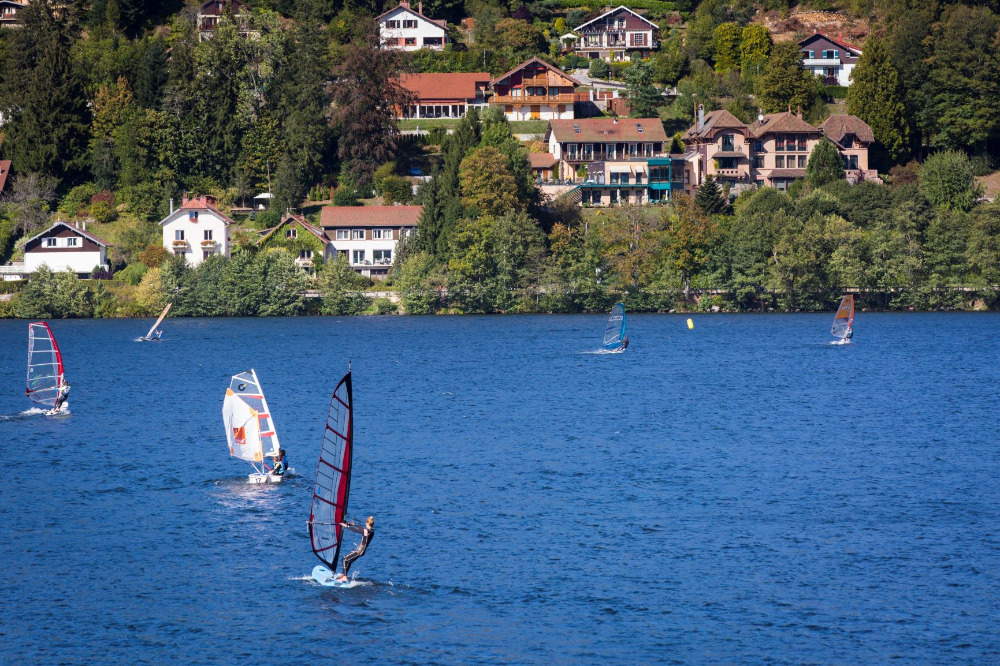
{"x":845,"y":317}
{"x":249,"y":427}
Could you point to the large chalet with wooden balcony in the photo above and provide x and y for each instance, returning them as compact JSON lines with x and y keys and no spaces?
{"x":832,"y":60}
{"x":772,"y":151}
{"x":534,"y":90}
{"x":367,"y":236}
{"x":576,"y":143}
{"x":9,"y":10}
{"x":616,"y":34}
{"x":404,"y":29}
{"x":444,"y":95}
{"x":212,"y":11}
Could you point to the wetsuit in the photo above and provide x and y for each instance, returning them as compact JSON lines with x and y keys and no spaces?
{"x":850,"y":334}
{"x":625,"y":343}
{"x":366,"y":538}
{"x":61,"y":398}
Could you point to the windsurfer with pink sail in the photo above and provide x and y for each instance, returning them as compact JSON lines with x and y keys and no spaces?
{"x":46,"y":382}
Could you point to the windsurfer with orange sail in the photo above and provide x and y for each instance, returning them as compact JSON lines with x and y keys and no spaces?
{"x":842,"y":322}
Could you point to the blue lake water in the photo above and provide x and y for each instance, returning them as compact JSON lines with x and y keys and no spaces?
{"x":741,"y":492}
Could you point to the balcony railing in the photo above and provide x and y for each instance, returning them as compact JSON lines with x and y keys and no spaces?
{"x":561,"y":98}
{"x":821,"y":62}
{"x":208,"y":244}
{"x":179,"y":244}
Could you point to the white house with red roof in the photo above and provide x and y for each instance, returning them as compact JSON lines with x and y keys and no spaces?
{"x":444,"y":95}
{"x":197,"y":230}
{"x":63,"y":247}
{"x":614,"y":35}
{"x":534,"y":90}
{"x":408,"y":30}
{"x":832,"y":60}
{"x":367,"y":236}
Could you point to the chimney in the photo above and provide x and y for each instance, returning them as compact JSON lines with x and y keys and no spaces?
{"x":420,"y":7}
{"x":799,"y":112}
{"x":760,"y":116}
{"x":405,"y":4}
{"x":83,"y":225}
{"x":701,"y":116}
{"x":171,"y":205}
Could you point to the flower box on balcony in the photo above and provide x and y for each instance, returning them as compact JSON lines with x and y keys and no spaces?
{"x":209,"y":244}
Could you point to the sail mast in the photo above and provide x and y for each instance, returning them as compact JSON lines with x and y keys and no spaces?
{"x":333,"y":476}
{"x":158,"y":321}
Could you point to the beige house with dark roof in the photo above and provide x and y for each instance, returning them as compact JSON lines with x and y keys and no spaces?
{"x":772,"y":151}
{"x":586,"y":140}
{"x":367,"y":236}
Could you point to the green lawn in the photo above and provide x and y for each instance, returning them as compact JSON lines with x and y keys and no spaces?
{"x":518,"y":127}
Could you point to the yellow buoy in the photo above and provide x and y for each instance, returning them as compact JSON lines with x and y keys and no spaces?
{"x":690,"y":324}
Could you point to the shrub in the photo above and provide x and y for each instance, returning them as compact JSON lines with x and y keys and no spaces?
{"x":103,"y":212}
{"x":598,"y":69}
{"x":396,"y":189}
{"x":77,"y":199}
{"x":132,"y":274}
{"x":154,"y":255}
{"x":144,"y":200}
{"x":385,"y":171}
{"x":383,"y":306}
{"x":346,"y":196}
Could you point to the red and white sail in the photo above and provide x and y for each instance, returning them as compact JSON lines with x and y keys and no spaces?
{"x":333,"y":476}
{"x":45,"y":365}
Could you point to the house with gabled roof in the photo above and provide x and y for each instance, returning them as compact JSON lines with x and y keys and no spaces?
{"x":211,"y":12}
{"x":304,"y":241}
{"x":404,"y":29}
{"x":444,"y":95}
{"x":63,"y":247}
{"x":534,"y":90}
{"x":853,"y":138}
{"x":9,"y":10}
{"x":830,"y":59}
{"x":585,"y":140}
{"x":616,"y":34}
{"x":772,"y":151}
{"x":367,"y":236}
{"x":197,"y":230}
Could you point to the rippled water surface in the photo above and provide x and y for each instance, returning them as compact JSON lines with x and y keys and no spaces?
{"x":740,"y":492}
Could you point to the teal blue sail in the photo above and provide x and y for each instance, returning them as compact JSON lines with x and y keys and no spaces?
{"x":615,"y":331}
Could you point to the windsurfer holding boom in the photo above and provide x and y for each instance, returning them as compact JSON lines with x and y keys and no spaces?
{"x":366,"y":532}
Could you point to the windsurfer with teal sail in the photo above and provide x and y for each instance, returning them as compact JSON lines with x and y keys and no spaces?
{"x":615,"y":339}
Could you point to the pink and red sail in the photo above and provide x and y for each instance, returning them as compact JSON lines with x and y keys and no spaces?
{"x":45,"y":365}
{"x":333,"y":476}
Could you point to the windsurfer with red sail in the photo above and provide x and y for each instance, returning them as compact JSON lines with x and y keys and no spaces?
{"x":366,"y":532}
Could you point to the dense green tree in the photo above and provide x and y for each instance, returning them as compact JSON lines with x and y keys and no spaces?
{"x":983,"y":250}
{"x":488,"y":186}
{"x":284,"y":284}
{"x":797,"y":262}
{"x":689,"y":235}
{"x":876,"y":96}
{"x":948,"y":181}
{"x":47,"y":295}
{"x":41,"y":97}
{"x":366,"y":94}
{"x":644,"y":98}
{"x":417,"y":280}
{"x":342,"y":289}
{"x":599,"y":69}
{"x":710,"y":198}
{"x":492,"y":261}
{"x":964,"y":79}
{"x":825,"y":164}
{"x":784,"y":83}
{"x":726,"y":41}
{"x":755,"y":47}
{"x":671,"y":62}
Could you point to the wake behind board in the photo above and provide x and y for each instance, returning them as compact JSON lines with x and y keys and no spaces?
{"x":326,"y":578}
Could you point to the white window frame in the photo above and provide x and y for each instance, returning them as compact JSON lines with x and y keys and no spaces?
{"x":72,"y":242}
{"x":208,"y":234}
{"x":343,"y":234}
{"x":358,"y":257}
{"x":357,"y":234}
{"x":291,"y":233}
{"x":51,"y":242}
{"x":178,"y":234}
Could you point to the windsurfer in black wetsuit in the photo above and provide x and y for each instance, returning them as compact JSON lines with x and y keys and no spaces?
{"x":366,"y":532}
{"x":624,"y":343}
{"x":61,"y":397}
{"x":849,"y":334}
